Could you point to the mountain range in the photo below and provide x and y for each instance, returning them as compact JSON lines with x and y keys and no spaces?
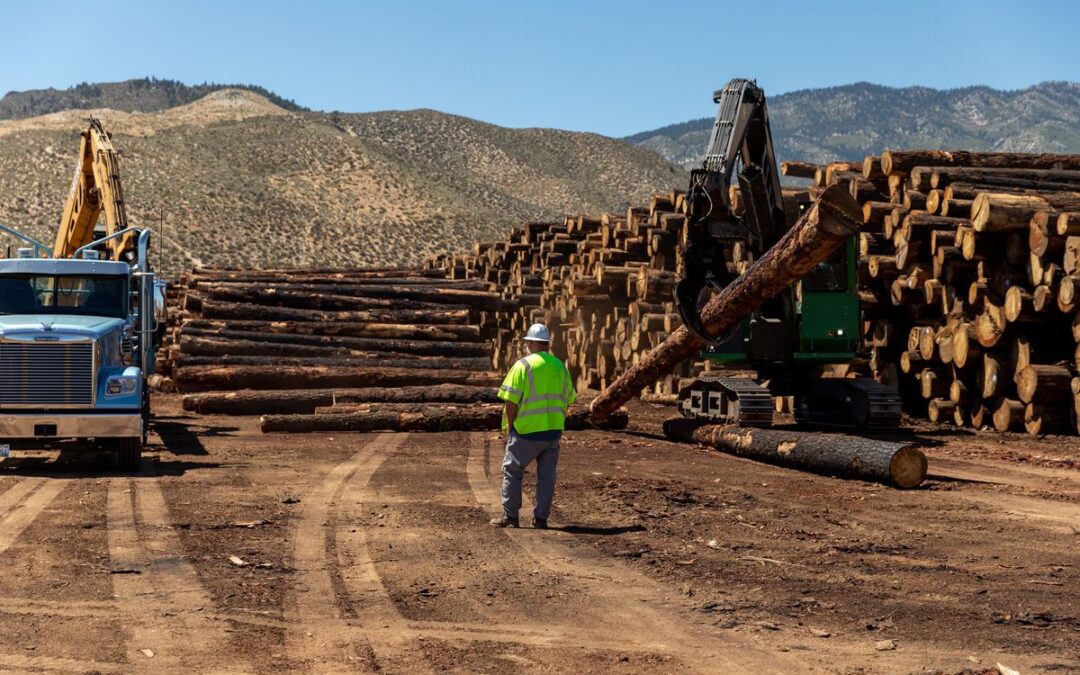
{"x":246,"y":178}
{"x":855,"y":120}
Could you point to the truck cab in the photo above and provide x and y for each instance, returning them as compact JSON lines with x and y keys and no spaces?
{"x":77,"y":337}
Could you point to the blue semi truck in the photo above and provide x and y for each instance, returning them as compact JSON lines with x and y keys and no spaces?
{"x":77,"y":342}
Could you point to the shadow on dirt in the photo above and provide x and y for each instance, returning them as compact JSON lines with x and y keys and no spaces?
{"x":94,"y":464}
{"x":600,"y":531}
{"x":182,"y":438}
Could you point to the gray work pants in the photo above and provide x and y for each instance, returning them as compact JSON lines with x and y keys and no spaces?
{"x":519,"y":453}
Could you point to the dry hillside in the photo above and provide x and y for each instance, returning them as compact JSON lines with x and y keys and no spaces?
{"x":245,"y":182}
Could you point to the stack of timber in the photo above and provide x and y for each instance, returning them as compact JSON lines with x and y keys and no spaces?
{"x":301,"y":342}
{"x":603,"y":282}
{"x":969,"y":277}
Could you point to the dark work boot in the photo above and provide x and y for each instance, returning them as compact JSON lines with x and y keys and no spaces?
{"x":540,"y":524}
{"x":505,"y":521}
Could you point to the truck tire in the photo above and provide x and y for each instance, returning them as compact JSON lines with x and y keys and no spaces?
{"x":129,"y":455}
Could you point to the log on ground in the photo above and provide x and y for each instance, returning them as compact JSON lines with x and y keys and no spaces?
{"x":892,"y":463}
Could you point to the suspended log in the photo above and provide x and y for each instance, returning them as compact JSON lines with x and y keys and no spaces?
{"x":305,"y":401}
{"x":432,"y":419}
{"x":825,"y":226}
{"x":316,"y":377}
{"x":897,"y":464}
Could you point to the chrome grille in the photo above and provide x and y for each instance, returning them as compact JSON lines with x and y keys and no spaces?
{"x":47,"y":373}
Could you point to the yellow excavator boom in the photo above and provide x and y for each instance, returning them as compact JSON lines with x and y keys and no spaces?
{"x":94,"y":189}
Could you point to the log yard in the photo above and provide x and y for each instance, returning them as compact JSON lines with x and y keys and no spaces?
{"x":770,"y":407}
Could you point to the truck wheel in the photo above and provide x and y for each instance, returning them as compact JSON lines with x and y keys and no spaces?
{"x":129,"y":454}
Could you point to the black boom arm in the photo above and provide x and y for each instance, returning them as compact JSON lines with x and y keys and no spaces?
{"x":740,"y":135}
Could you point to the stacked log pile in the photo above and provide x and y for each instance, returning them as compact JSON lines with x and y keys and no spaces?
{"x":309,"y":341}
{"x":605,"y":282}
{"x":969,"y":275}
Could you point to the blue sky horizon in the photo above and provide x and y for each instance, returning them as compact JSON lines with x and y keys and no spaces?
{"x":615,"y":68}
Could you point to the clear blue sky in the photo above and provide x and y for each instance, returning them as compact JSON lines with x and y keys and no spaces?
{"x":612,"y":67}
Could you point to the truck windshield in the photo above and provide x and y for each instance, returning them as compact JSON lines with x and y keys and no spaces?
{"x":53,"y":294}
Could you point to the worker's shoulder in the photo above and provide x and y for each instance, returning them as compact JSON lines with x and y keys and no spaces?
{"x":551,"y":359}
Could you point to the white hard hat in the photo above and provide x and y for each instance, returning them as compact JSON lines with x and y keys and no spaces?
{"x":538,"y":332}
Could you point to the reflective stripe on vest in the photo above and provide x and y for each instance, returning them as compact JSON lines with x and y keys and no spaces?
{"x":535,"y":412}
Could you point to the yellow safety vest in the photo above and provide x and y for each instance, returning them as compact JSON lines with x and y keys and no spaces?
{"x":540,"y":386}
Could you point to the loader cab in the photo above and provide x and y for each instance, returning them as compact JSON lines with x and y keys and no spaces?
{"x":814,"y":321}
{"x":827,"y":304}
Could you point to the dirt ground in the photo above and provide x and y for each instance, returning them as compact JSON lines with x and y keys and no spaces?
{"x":239,"y":552}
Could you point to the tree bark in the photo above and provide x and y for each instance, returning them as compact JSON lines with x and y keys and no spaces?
{"x":395,"y":331}
{"x":195,"y":342}
{"x":798,"y":169}
{"x":1039,"y":382}
{"x":893,"y":161}
{"x":1009,"y":415}
{"x":825,"y":226}
{"x":897,"y":464}
{"x":238,"y":311}
{"x":305,"y":401}
{"x":329,"y":302}
{"x":315,"y":377}
{"x":357,"y":360}
{"x":1000,"y":212}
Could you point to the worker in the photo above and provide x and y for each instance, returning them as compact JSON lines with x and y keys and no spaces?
{"x":537,"y":393}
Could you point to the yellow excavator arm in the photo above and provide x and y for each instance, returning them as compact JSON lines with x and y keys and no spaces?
{"x":95,"y":188}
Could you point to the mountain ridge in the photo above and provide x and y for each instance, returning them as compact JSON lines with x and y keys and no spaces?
{"x":243,"y":181}
{"x":148,"y":94}
{"x":848,"y":122}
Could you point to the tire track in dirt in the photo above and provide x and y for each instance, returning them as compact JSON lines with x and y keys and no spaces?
{"x":15,"y":663}
{"x":488,"y":599}
{"x":24,"y":502}
{"x":329,"y":631}
{"x":618,"y":591}
{"x":165,"y":607}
